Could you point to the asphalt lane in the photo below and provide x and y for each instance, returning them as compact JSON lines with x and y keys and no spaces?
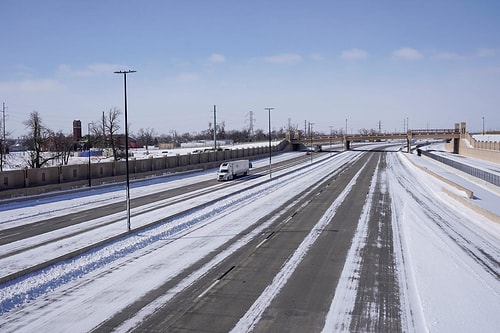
{"x":217,"y":302}
{"x":377,"y":307}
{"x":48,"y":225}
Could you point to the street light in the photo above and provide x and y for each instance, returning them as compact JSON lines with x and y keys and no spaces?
{"x":90,"y":167}
{"x":126,"y":144}
{"x":331,"y":134}
{"x":311,"y":134}
{"x":483,"y":125}
{"x":270,"y":153}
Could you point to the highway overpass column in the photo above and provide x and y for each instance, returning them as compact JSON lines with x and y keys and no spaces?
{"x":408,"y":141}
{"x":456,"y":141}
{"x":347,"y":143}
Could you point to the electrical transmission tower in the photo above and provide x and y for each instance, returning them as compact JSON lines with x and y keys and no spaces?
{"x":251,"y":122}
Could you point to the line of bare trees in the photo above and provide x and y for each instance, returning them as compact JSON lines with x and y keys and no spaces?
{"x":45,"y":145}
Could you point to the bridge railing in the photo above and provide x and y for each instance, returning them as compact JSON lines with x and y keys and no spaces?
{"x":438,"y":130}
{"x":438,"y":133}
{"x":476,"y":172}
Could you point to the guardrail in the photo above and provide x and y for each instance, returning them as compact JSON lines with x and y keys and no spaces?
{"x":476,"y":172}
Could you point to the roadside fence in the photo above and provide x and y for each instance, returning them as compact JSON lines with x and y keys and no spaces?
{"x":476,"y":172}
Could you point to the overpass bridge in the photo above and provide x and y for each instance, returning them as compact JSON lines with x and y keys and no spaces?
{"x":346,"y":139}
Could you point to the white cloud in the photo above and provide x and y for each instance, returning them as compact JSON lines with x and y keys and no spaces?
{"x":316,"y":57}
{"x":31,"y":86}
{"x":483,"y":53}
{"x":407,"y":53}
{"x":217,"y":58}
{"x":90,"y":70}
{"x":493,"y":70}
{"x":23,"y":70}
{"x":447,"y":56}
{"x":188,"y":77}
{"x":286,"y":58}
{"x":354,"y":54}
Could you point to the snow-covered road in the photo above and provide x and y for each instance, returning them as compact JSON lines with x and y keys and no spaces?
{"x":447,"y":255}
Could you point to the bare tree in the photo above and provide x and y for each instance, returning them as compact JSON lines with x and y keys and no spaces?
{"x":365,"y":131}
{"x":221,"y":130}
{"x":111,"y":128}
{"x":37,"y":137}
{"x":146,"y":136}
{"x":3,"y":146}
{"x":210,"y":130}
{"x":63,"y":145}
{"x":98,"y":136}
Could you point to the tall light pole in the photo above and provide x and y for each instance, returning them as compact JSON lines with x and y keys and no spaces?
{"x":3,"y":148}
{"x":215,"y":130}
{"x":311,"y":134}
{"x":90,"y":167}
{"x":126,"y":144}
{"x":270,"y":152}
{"x":483,"y":125}
{"x":331,"y":134}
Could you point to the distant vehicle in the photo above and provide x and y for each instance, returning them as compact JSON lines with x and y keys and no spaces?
{"x":233,"y":169}
{"x":208,"y":150}
{"x":212,"y":149}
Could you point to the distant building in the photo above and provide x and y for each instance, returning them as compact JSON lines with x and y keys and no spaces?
{"x":77,"y":130}
{"x":16,"y":147}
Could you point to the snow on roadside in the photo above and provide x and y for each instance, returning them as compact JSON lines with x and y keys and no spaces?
{"x":104,"y":227}
{"x":91,"y":295}
{"x":447,"y":287}
{"x":444,"y":288}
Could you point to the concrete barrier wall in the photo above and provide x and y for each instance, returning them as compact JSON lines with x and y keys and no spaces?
{"x":43,"y":176}
{"x":482,"y":154}
{"x":78,"y":174}
{"x":489,"y":145}
{"x":12,"y":177}
{"x":477,"y":149}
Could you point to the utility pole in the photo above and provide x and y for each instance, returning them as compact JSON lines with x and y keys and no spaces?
{"x":90,"y":162}
{"x":331,"y":134}
{"x":4,"y":142}
{"x":215,"y":130}
{"x":311,"y":134}
{"x":103,"y":131}
{"x":270,"y":150}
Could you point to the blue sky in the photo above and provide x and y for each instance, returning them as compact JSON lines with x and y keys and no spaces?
{"x":431,"y":62}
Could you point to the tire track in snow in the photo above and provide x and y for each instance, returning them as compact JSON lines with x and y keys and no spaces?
{"x":34,"y":285}
{"x":339,"y":316}
{"x":253,"y":315}
{"x":419,"y":213}
{"x":454,"y":226}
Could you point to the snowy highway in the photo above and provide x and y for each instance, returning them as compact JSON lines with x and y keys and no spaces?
{"x":354,"y":241}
